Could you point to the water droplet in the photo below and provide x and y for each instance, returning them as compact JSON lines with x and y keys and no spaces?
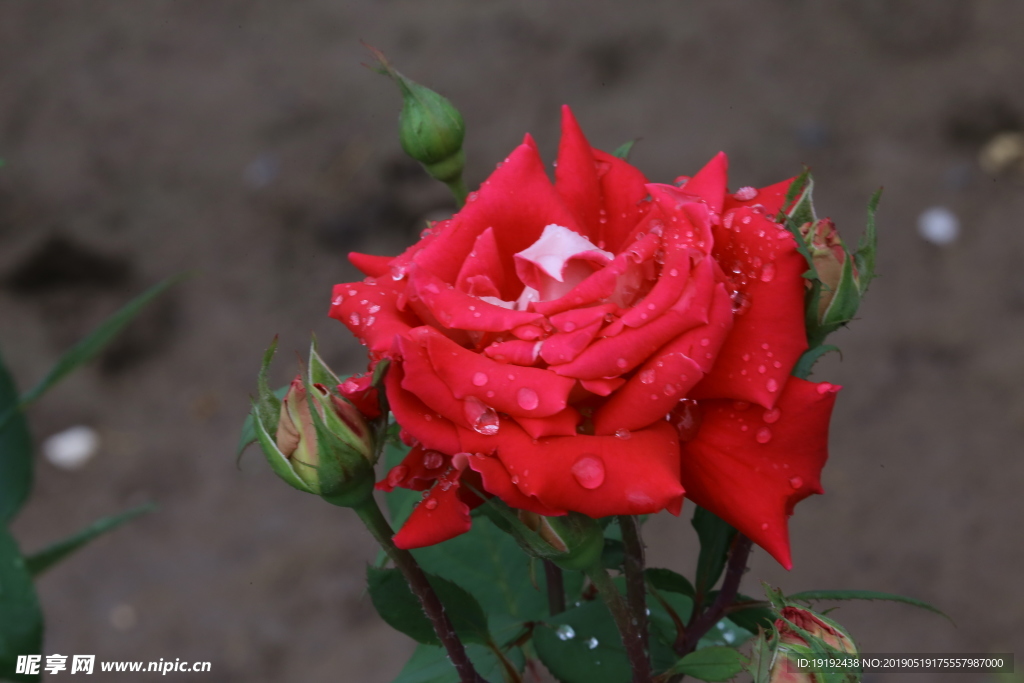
{"x":768,"y":272}
{"x":765,"y":346}
{"x":764,"y":435}
{"x":397,"y":475}
{"x":745,"y":220}
{"x":527,"y":398}
{"x":622,"y":363}
{"x":471,"y":197}
{"x":337,"y":300}
{"x":354,"y":319}
{"x":431,"y":503}
{"x":776,"y":364}
{"x":674,"y":272}
{"x":705,"y":342}
{"x":569,"y":326}
{"x":647,"y":377}
{"x":565,"y":632}
{"x":745,"y":194}
{"x":670,"y":390}
{"x":773,"y":386}
{"x":796,"y":482}
{"x":479,"y":379}
{"x":588,"y":471}
{"x":592,"y":643}
{"x":764,"y":526}
{"x":772,"y":416}
{"x":746,"y":356}
{"x":824,"y":388}
{"x":762,"y":369}
{"x":729,"y":636}
{"x":481,"y":416}
{"x":432,"y":460}
{"x":623,"y":434}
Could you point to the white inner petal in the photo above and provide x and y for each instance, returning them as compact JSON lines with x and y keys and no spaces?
{"x":555,"y":263}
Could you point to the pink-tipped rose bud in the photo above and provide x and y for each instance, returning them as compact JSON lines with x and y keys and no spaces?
{"x":829,"y":255}
{"x":323,"y":467}
{"x":804,"y":634}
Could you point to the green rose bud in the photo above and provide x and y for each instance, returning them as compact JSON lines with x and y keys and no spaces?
{"x":430,"y":129}
{"x":321,"y":444}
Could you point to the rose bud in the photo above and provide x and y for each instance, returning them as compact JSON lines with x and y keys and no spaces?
{"x":829,"y":255}
{"x":430,"y":128}
{"x":572,"y":541}
{"x":322,"y":443}
{"x":804,"y":634}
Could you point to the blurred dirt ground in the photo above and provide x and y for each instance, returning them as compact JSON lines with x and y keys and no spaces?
{"x":243,"y":140}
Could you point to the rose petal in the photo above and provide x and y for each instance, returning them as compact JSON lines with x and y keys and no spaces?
{"x":750,"y":466}
{"x":515,"y":352}
{"x":564,"y":347}
{"x":623,"y":194}
{"x":438,"y":517}
{"x":375,"y":322}
{"x":455,"y":309}
{"x":649,"y":394}
{"x":413,"y":473}
{"x":603,"y":386}
{"x":371,"y":266}
{"x":709,"y":182}
{"x":512,"y":389}
{"x":768,"y":334}
{"x":424,"y":424}
{"x":498,"y":482}
{"x":771,"y":198}
{"x":612,"y":356}
{"x":517,"y":201}
{"x":484,"y":261}
{"x":559,"y":424}
{"x":576,"y":175}
{"x":596,"y":475}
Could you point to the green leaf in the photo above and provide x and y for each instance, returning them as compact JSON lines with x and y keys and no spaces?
{"x":668,"y":580}
{"x":583,"y":645}
{"x":753,"y":617}
{"x":248,"y":435}
{"x":623,"y":150}
{"x":812,"y":596}
{"x":864,"y":257}
{"x":319,"y":372}
{"x":21,"y":621}
{"x":39,"y":562}
{"x":86,"y":349}
{"x":15,"y":450}
{"x":809,"y":358}
{"x":430,"y":664}
{"x":711,"y":664}
{"x":489,"y":564}
{"x":715,"y":538}
{"x":799,"y":204}
{"x":397,"y":605}
{"x":613,"y":555}
{"x":762,"y":657}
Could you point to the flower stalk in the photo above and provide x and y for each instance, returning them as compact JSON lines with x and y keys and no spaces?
{"x":369,"y":512}
{"x":636,"y":593}
{"x":629,"y":625}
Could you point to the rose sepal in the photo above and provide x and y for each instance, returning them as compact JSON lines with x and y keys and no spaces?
{"x":573,"y":541}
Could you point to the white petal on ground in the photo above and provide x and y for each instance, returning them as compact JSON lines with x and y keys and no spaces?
{"x":72,"y":448}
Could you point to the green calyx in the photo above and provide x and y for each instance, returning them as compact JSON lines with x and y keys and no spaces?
{"x":572,"y":541}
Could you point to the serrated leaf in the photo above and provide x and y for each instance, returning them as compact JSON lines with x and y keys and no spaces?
{"x":15,"y":450}
{"x":812,"y":596}
{"x":21,"y":621}
{"x":711,"y":664}
{"x":430,"y":664}
{"x":401,"y":609}
{"x":268,"y":405}
{"x":668,"y":580}
{"x":803,"y":367}
{"x":88,"y":348}
{"x":39,"y":562}
{"x":248,"y":435}
{"x":623,"y":150}
{"x":583,"y":645}
{"x":715,"y":538}
{"x":864,"y":257}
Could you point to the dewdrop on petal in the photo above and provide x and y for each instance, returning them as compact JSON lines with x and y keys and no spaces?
{"x":72,"y":448}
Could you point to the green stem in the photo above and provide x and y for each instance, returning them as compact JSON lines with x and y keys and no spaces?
{"x":556,"y":588}
{"x":629,"y":627}
{"x":636,"y":592}
{"x":458,"y":188}
{"x":374,"y":520}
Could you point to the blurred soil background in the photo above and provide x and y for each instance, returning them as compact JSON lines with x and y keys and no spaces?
{"x":242,"y":139}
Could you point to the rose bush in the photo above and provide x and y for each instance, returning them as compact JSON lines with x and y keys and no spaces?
{"x":599,"y":344}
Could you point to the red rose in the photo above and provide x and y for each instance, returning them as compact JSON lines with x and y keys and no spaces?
{"x":601,"y":344}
